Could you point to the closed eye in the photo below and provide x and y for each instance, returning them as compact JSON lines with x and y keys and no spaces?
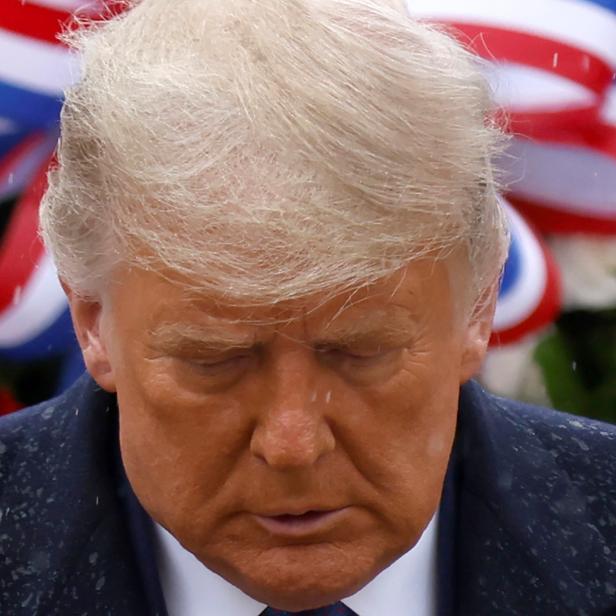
{"x":214,"y":366}
{"x":365,"y":356}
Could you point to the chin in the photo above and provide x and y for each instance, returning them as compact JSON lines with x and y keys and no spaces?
{"x":302,"y":577}
{"x":296,"y":593}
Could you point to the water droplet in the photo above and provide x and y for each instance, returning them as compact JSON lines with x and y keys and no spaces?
{"x":48,"y":412}
{"x":555,"y":60}
{"x":11,"y":178}
{"x":574,"y":365}
{"x":436,"y":445}
{"x":580,"y":443}
{"x":328,"y":397}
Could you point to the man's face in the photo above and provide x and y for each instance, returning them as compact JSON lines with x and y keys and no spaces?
{"x":296,"y":450}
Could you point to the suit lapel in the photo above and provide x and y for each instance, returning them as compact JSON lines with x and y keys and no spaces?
{"x":446,"y":541}
{"x":142,"y":540}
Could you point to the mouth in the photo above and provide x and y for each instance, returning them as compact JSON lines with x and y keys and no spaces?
{"x":299,"y":525}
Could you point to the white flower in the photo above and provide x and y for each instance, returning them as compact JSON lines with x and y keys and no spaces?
{"x":512,"y":372}
{"x":588,"y":270}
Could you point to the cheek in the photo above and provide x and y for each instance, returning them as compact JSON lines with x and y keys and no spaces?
{"x":179,"y":449}
{"x":406,"y":448}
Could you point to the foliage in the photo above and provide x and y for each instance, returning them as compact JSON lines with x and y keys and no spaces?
{"x":578,"y":363}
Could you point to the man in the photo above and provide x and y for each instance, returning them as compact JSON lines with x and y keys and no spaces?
{"x":278,"y":229}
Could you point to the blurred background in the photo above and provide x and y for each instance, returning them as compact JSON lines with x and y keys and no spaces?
{"x":551,"y":65}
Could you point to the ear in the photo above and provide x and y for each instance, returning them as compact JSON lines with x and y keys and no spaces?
{"x":87,"y":316}
{"x":477,"y":334}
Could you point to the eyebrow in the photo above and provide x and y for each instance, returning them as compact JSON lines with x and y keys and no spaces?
{"x":389,"y":326}
{"x":384,"y":326}
{"x":174,"y":336}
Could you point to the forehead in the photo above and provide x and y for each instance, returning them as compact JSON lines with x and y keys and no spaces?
{"x":417,"y":292}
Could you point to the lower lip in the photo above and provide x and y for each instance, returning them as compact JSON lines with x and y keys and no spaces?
{"x":301,"y":525}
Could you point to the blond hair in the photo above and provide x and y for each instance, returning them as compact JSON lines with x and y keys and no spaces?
{"x":271,"y":149}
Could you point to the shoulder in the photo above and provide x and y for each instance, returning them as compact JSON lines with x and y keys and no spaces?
{"x":61,"y":525}
{"x":52,"y":454}
{"x":582,"y":447}
{"x":536,"y":508}
{"x":48,"y":449}
{"x":36,"y":441}
{"x":65,"y":547}
{"x":541,"y":471}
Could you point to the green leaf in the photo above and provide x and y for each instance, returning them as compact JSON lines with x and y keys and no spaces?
{"x":559,"y":369}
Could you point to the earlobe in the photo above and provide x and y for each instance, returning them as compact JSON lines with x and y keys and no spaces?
{"x":477,"y":335}
{"x":87,"y":320}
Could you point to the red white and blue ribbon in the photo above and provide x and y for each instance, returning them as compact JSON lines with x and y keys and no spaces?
{"x":34,"y":317}
{"x":565,"y":181}
{"x":552,"y":66}
{"x":549,"y":61}
{"x":36,"y":67}
{"x":19,"y":165}
{"x":529,"y":297}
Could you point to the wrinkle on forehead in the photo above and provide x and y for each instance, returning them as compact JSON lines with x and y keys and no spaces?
{"x":396,"y":304}
{"x":359,"y":324}
{"x":334,"y":301}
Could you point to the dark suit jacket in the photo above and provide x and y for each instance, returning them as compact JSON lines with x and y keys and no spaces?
{"x":527,"y":525}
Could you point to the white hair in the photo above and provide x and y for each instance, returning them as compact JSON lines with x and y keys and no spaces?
{"x":271,"y":149}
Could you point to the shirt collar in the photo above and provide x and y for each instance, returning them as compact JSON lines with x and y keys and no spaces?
{"x":407,"y":586}
{"x":191,"y":589}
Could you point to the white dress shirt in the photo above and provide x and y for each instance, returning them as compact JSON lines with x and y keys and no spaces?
{"x":190,"y":589}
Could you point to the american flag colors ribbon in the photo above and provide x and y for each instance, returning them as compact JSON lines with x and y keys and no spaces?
{"x":565,"y":180}
{"x":529,"y":297}
{"x":18,"y":167}
{"x":552,"y":66}
{"x":549,"y":61}
{"x":35,"y":66}
{"x":34,"y":317}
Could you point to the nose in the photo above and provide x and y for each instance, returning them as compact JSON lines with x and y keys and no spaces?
{"x":292,"y":431}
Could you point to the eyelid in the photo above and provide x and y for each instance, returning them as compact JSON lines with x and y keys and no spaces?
{"x":365,"y":352}
{"x":199,"y":349}
{"x":216,"y":360}
{"x":212,"y":356}
{"x":223,"y":366}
